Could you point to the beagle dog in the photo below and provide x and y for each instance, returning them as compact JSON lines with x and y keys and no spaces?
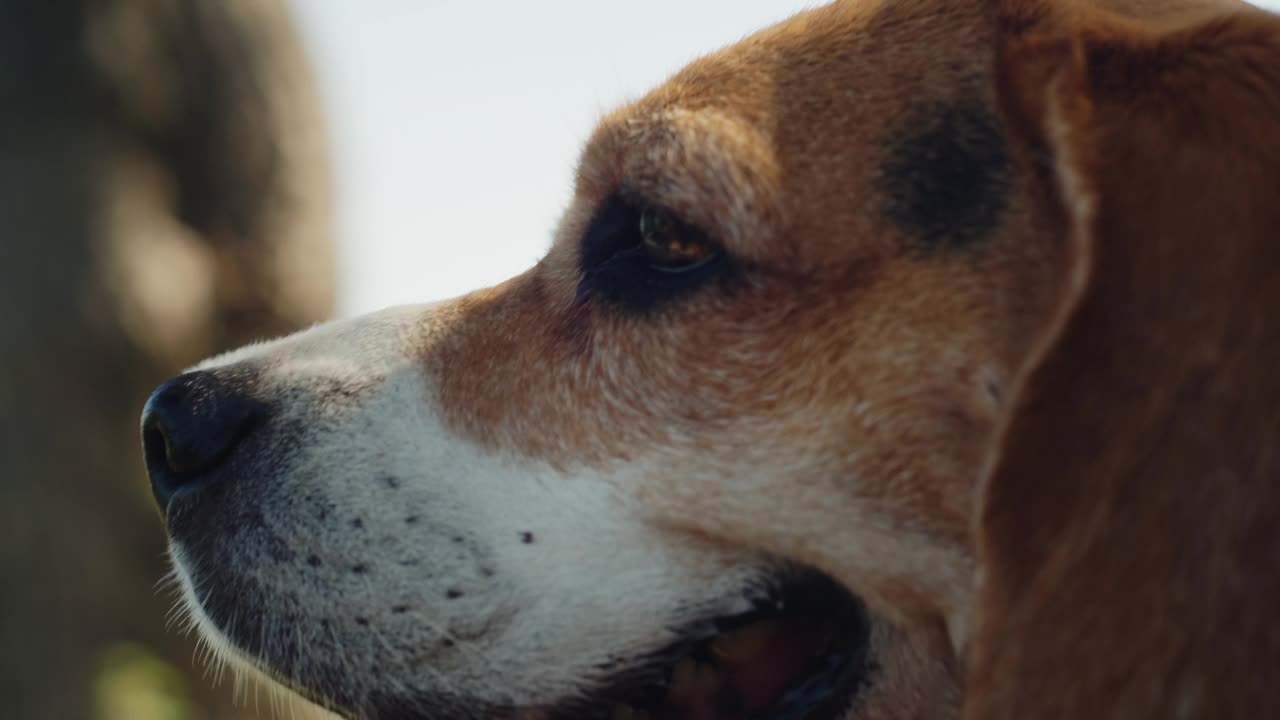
{"x":908,"y":359}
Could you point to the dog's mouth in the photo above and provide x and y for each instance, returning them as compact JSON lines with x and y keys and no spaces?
{"x":797,"y":651}
{"x":798,"y":654}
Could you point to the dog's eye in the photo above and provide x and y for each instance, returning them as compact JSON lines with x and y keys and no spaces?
{"x":636,"y":256}
{"x":671,"y":245}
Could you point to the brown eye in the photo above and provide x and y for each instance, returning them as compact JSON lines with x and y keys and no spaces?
{"x":671,"y":245}
{"x":636,"y":257}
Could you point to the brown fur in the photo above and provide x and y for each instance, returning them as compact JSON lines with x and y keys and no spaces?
{"x":1127,"y":536}
{"x":1031,"y":241}
{"x":832,"y":342}
{"x":1170,"y":121}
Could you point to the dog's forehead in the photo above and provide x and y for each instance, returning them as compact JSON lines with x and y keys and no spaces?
{"x":825,"y":127}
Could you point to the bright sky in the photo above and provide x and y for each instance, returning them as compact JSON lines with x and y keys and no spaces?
{"x":456,"y":124}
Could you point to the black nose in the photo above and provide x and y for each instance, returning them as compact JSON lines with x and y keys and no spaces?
{"x":189,"y":427}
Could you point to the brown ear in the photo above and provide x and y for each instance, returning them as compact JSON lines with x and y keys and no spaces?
{"x":1129,"y":528}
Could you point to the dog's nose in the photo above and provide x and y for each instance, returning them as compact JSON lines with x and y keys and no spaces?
{"x":189,"y":426}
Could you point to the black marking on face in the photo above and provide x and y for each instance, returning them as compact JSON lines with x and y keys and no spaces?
{"x":947,"y":178}
{"x":526,"y":537}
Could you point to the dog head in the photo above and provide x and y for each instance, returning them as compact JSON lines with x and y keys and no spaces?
{"x":714,"y":456}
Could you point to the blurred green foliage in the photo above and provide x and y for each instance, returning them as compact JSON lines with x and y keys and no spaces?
{"x":133,"y":683}
{"x":163,"y":196}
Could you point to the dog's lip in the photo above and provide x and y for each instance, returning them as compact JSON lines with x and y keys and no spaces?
{"x":821,"y":692}
{"x":820,"y":687}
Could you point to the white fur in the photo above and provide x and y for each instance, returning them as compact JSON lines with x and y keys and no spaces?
{"x":534,"y":621}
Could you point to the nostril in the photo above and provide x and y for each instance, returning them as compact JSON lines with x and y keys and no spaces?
{"x":189,"y":426}
{"x":154,"y":444}
{"x":163,"y":452}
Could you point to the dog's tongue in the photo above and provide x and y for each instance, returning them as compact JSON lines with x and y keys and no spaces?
{"x":750,"y":671}
{"x":754,"y":667}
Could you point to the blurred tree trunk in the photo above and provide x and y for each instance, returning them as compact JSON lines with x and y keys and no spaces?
{"x":163,"y":195}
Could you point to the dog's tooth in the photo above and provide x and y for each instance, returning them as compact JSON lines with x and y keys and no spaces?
{"x":747,"y":642}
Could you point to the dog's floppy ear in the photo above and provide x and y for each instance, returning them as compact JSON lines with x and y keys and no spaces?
{"x":1129,"y":527}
